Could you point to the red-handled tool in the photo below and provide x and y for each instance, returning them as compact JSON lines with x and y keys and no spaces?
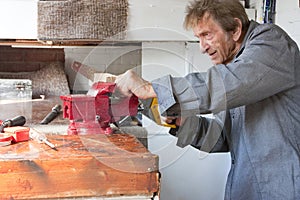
{"x":5,"y":139}
{"x":12,"y":131}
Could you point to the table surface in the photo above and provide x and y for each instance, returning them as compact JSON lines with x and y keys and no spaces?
{"x":82,"y":166}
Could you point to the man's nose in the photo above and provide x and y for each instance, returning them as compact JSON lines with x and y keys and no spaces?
{"x":203,"y":46}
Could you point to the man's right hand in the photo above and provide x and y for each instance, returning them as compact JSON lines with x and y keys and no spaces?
{"x":178,"y":121}
{"x":130,"y":83}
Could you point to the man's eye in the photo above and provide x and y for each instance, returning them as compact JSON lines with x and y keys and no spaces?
{"x":205,"y":34}
{"x":208,"y":35}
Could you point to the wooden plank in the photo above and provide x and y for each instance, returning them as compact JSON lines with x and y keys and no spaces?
{"x":84,"y":166}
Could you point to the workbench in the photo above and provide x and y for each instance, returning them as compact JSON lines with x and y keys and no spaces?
{"x":96,"y":166}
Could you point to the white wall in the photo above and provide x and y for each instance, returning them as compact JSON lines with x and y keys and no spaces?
{"x":157,"y":20}
{"x":288,"y":17}
{"x":110,"y":59}
{"x":186,"y":173}
{"x":18,"y":19}
{"x":148,"y":20}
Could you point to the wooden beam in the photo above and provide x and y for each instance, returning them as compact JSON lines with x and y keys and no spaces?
{"x":63,"y":43}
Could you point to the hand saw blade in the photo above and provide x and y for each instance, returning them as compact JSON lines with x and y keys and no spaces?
{"x":84,"y":70}
{"x":91,"y":73}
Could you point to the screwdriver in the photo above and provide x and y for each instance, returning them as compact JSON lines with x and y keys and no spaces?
{"x":40,"y":137}
{"x":16,"y":121}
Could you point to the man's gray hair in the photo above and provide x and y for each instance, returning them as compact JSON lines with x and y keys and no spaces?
{"x":223,"y":12}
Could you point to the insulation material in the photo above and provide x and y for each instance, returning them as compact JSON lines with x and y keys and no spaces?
{"x":50,"y":80}
{"x":82,"y":19}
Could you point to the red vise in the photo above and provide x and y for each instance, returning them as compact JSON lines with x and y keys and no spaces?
{"x":92,"y":113}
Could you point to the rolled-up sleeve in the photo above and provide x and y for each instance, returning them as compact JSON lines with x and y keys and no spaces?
{"x":163,"y":89}
{"x":187,"y":95}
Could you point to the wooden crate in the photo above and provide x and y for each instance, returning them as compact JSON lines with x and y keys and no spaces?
{"x":103,"y":166}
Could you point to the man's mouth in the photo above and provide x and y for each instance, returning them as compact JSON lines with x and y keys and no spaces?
{"x":212,"y":54}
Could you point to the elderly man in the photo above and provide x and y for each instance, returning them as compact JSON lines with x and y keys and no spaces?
{"x":254,"y":86}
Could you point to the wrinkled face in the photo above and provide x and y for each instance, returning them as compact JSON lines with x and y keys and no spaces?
{"x":218,"y":44}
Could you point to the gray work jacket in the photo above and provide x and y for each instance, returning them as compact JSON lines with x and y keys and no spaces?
{"x":260,"y":92}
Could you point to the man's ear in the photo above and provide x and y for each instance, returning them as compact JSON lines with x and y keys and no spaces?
{"x":238,"y":30}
